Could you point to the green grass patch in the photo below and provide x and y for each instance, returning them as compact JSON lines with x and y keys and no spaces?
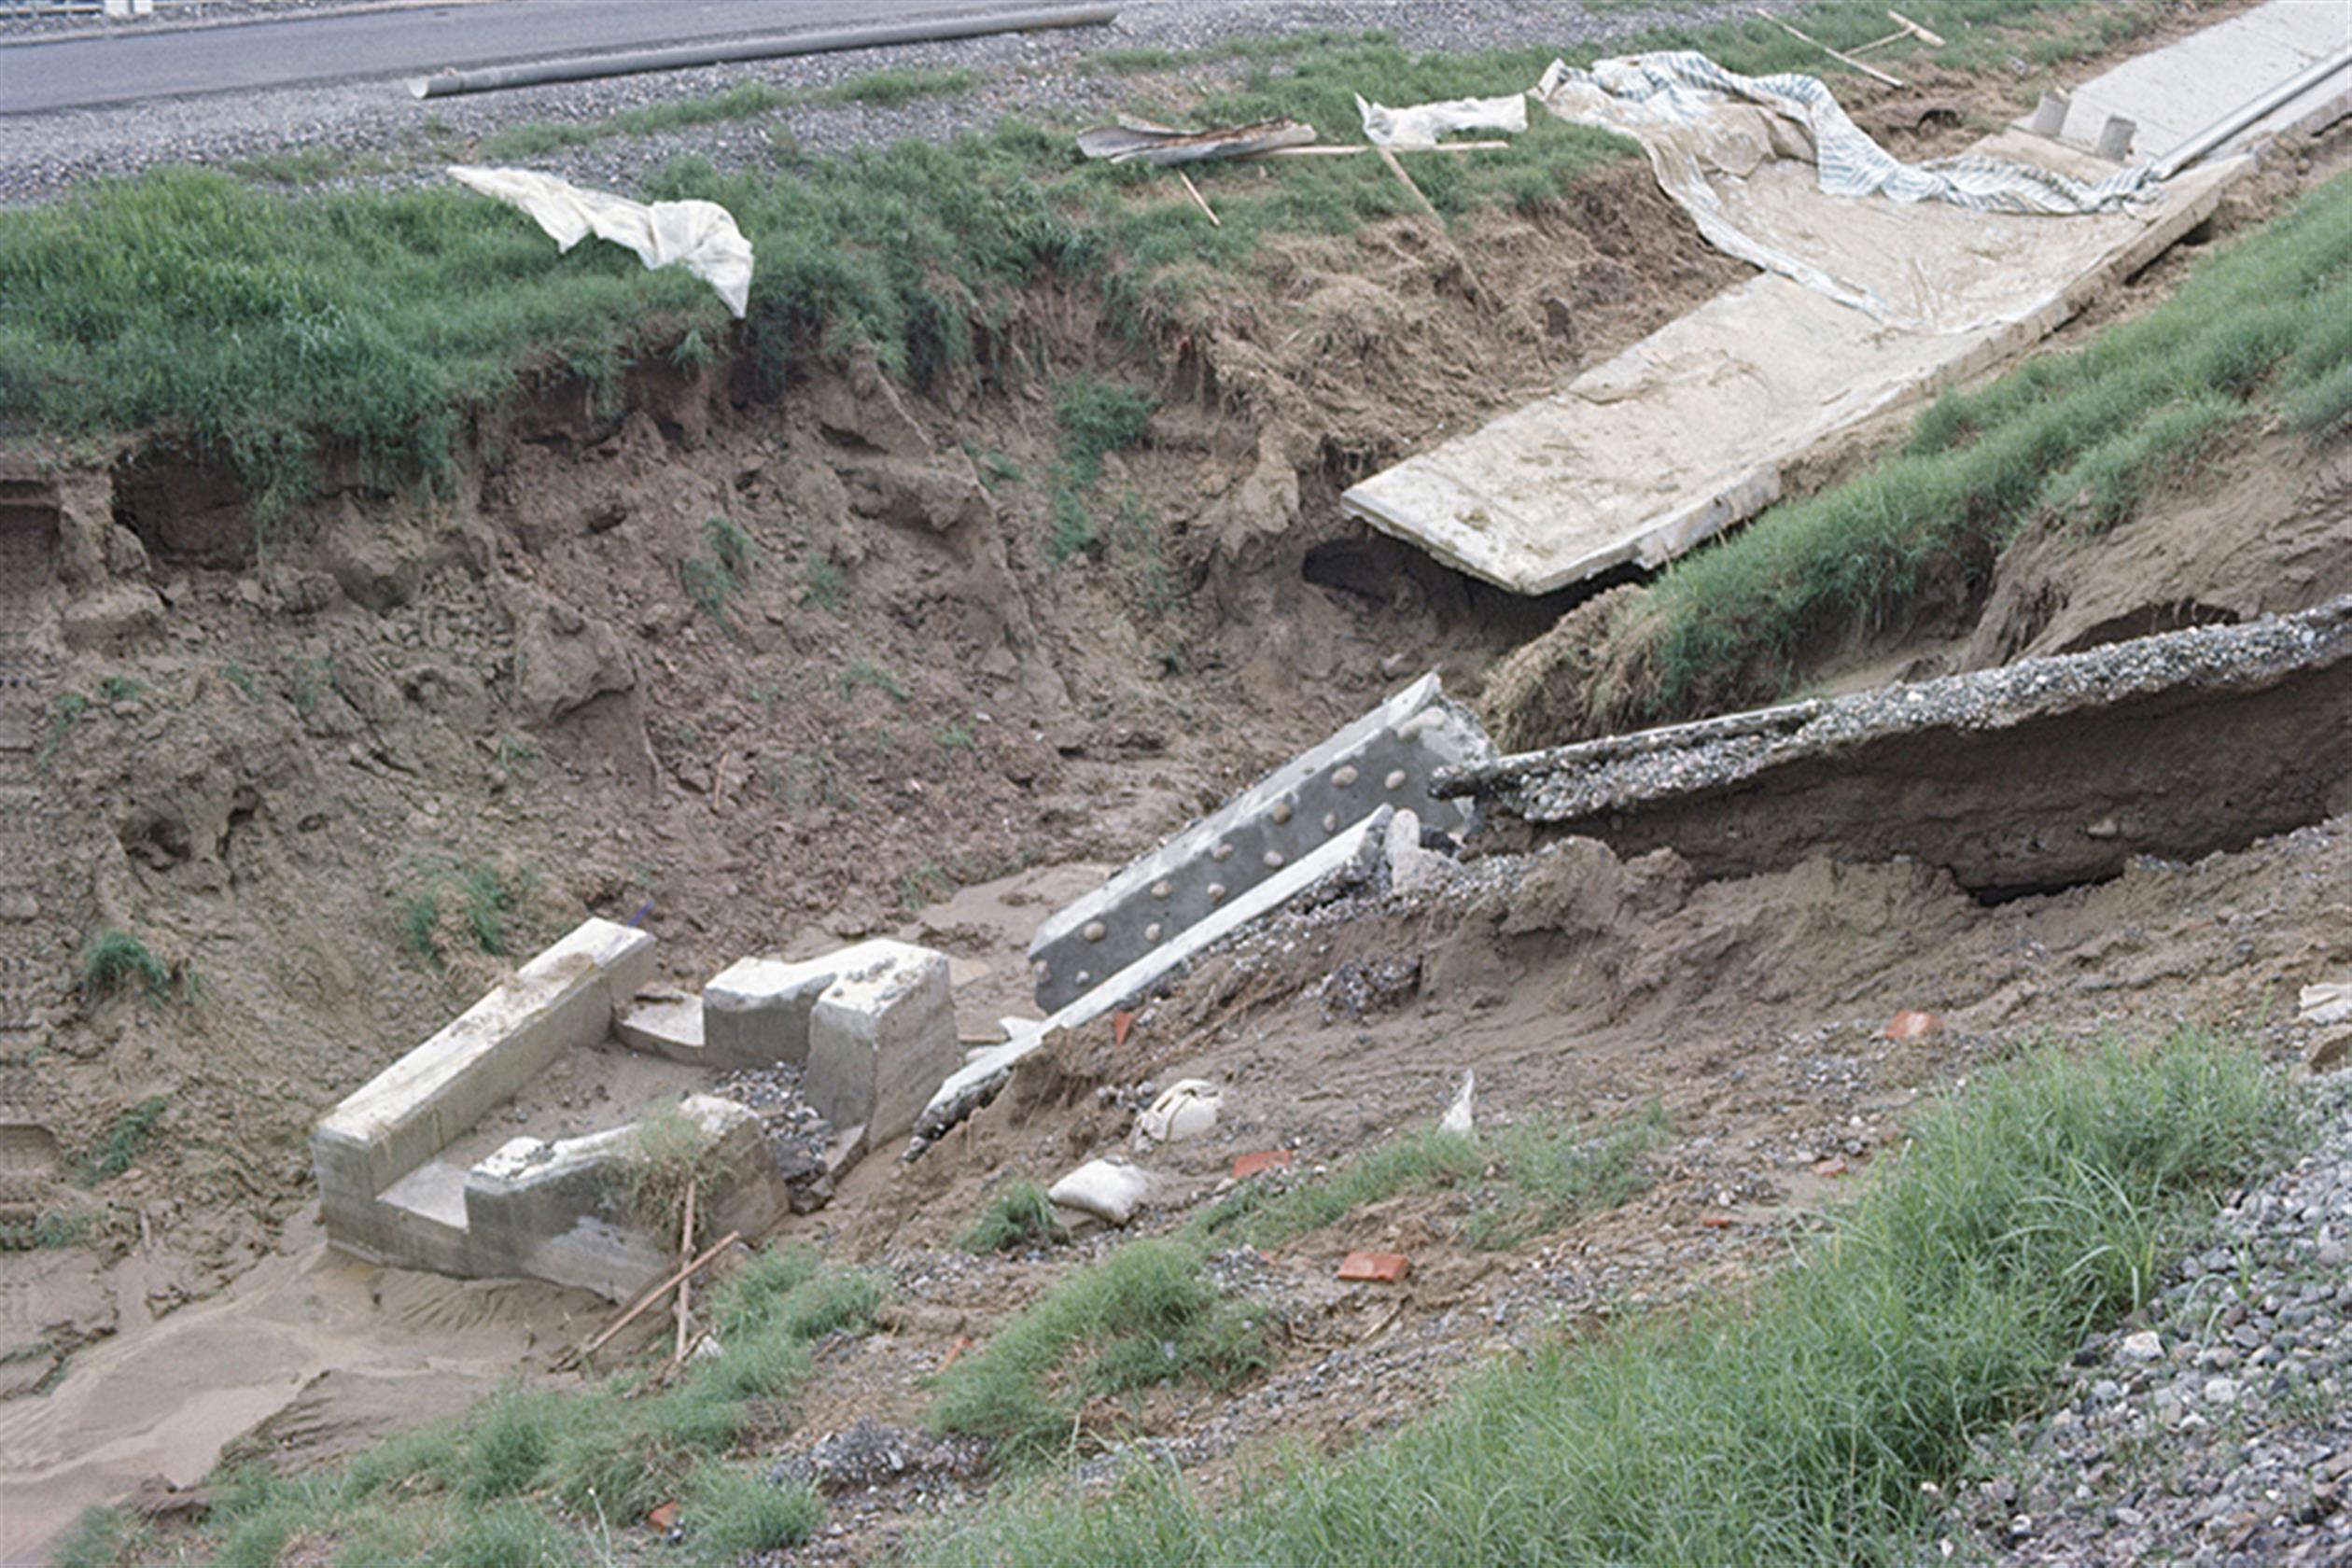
{"x":713,"y":578}
{"x":1140,"y":1317}
{"x":117,"y":965}
{"x":119,"y":1146}
{"x":862,"y":674}
{"x":2083,"y":436}
{"x":1097,"y":419}
{"x":747,"y":100}
{"x":895,"y":85}
{"x":1797,"y":1428}
{"x":1526,"y":1180}
{"x":1016,"y":1219}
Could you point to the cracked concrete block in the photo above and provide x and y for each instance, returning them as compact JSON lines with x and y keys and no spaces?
{"x":882,"y":1038}
{"x":1384,"y":759}
{"x":756,"y":1012}
{"x":1412,"y":868}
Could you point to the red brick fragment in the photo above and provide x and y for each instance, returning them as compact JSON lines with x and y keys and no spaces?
{"x":963,"y":1343}
{"x":1121,"y":1022}
{"x":662,"y":1516}
{"x":1834,"y":1166}
{"x":1714,"y":1221}
{"x":1247,"y":1165}
{"x":1383,"y":1268}
{"x":1908,"y":1025}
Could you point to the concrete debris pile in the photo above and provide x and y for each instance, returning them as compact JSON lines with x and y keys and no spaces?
{"x":2032,"y":775}
{"x":871,"y":1030}
{"x":1344,"y":809}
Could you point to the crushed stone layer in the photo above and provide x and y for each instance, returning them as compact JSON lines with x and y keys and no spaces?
{"x":2213,"y":1431}
{"x":2027,"y":775}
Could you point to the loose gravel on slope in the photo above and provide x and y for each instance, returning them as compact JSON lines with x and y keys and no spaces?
{"x":1050,"y":76}
{"x":2213,"y":1432}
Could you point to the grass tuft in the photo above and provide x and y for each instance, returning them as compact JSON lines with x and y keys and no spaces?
{"x":1142,"y":1316}
{"x":1016,"y":1219}
{"x":117,"y":965}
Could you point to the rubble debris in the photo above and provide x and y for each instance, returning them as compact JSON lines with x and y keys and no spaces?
{"x":1385,"y":1269}
{"x":2327,"y":1003}
{"x":1908,"y":1025}
{"x":1247,"y":1165}
{"x":2190,"y":741}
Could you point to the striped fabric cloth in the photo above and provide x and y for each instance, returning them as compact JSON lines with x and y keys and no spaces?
{"x":1851,"y":163}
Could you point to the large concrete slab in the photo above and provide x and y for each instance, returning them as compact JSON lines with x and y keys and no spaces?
{"x":1384,"y":758}
{"x":2174,"y":93}
{"x":2037,"y":775}
{"x":1698,"y":426}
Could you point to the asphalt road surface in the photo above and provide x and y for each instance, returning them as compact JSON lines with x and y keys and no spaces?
{"x":128,"y":65}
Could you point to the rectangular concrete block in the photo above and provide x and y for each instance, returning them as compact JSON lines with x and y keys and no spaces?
{"x":669,"y":1027}
{"x":756,"y":1012}
{"x":882,"y":1038}
{"x":1385,"y":758}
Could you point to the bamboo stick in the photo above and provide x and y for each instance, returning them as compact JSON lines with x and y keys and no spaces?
{"x":650,"y":1297}
{"x":1862,"y":66}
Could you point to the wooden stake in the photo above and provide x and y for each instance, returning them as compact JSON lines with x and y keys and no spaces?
{"x":1199,"y":200}
{"x":1478,"y":285}
{"x":1407,"y":180}
{"x":685,"y":1286}
{"x":650,"y":1297}
{"x":1862,"y":66}
{"x":1321,"y":150}
{"x":1931,"y":39}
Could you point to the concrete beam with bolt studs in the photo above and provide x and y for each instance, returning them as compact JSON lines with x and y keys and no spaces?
{"x":1385,"y":758}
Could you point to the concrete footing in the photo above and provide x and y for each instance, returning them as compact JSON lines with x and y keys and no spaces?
{"x":875,"y":1024}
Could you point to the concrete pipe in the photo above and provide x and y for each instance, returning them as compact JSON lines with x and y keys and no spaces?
{"x":592,"y":67}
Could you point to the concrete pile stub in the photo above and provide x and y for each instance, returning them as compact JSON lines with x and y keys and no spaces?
{"x":1385,"y":758}
{"x":881,"y":1037}
{"x":757,"y":1011}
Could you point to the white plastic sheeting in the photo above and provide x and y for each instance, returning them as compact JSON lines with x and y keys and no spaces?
{"x":699,"y":236}
{"x":1775,"y":173}
{"x":1420,"y":125}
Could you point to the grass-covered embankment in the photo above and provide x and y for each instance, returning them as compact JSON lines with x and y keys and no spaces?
{"x":1795,"y":1428}
{"x":259,"y":323}
{"x":2263,"y":328}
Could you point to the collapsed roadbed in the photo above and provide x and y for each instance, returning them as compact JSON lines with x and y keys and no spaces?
{"x":2037,"y":775}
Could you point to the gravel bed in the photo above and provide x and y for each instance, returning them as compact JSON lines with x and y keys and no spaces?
{"x":2213,"y":1431}
{"x":1052,"y":76}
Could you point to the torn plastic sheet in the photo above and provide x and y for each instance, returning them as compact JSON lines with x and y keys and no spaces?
{"x":699,"y":236}
{"x":1420,"y":125}
{"x":1140,"y":141}
{"x":1774,"y":171}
